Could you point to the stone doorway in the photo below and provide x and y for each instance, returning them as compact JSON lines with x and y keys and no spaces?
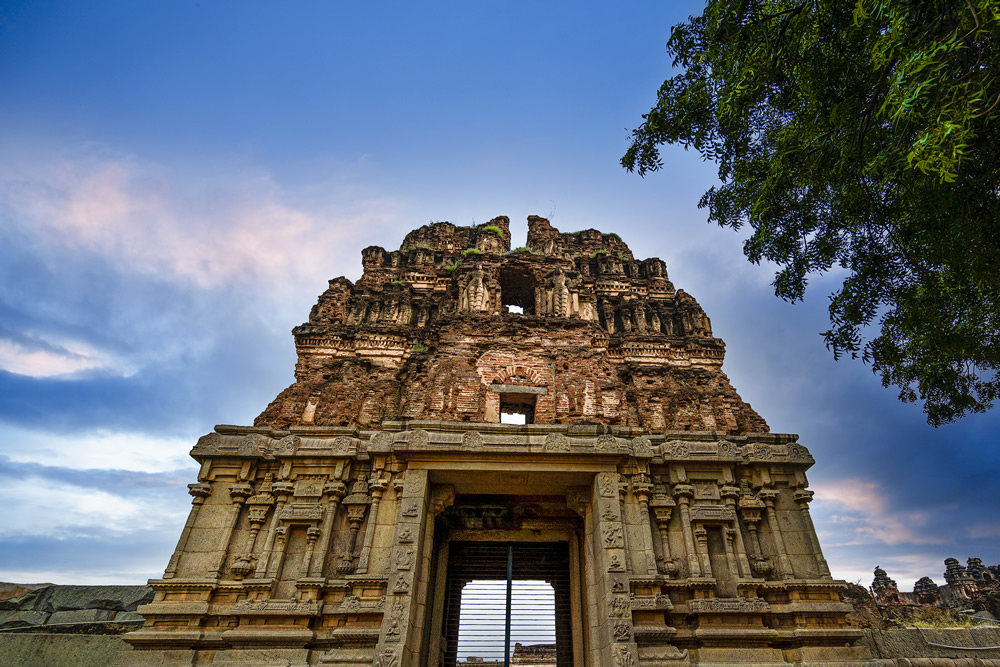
{"x":533,"y":622}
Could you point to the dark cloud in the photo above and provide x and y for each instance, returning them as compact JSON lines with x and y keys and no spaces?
{"x":124,"y":483}
{"x":103,"y":556}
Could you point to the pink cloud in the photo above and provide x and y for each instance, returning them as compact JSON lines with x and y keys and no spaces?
{"x":864,"y":515}
{"x":235,"y":229}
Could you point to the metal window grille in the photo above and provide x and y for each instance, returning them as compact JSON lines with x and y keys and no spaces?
{"x":508,"y":604}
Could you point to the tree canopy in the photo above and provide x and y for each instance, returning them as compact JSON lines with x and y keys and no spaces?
{"x":861,"y":138}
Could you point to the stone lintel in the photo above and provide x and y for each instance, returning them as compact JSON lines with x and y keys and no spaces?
{"x":517,"y":389}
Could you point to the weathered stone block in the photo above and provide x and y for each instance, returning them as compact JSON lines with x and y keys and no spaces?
{"x":22,"y":618}
{"x":81,"y":616}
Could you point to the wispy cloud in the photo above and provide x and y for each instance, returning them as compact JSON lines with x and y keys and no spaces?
{"x":44,"y":359}
{"x":864,"y":515}
{"x":143,"y":219}
{"x":66,"y":509}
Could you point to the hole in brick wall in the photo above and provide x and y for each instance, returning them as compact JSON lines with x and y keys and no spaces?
{"x":513,"y":418}
{"x":517,"y":409}
{"x":517,"y":290}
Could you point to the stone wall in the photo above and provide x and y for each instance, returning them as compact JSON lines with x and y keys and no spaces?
{"x":45,"y":606}
{"x":56,"y":650}
{"x":971,"y":647}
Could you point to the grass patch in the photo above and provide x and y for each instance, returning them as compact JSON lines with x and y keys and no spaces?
{"x":602,"y":251}
{"x":454,"y":265}
{"x":493,"y":228}
{"x":525,"y":249}
{"x":471,"y":251}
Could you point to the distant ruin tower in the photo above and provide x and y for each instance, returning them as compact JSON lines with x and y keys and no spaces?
{"x":345,"y":526}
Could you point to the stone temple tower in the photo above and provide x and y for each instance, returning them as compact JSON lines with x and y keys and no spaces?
{"x":345,"y":526}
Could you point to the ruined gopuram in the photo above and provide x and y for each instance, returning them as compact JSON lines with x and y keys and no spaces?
{"x":341,"y":528}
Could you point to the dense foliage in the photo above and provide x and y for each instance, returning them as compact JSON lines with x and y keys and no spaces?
{"x":863,"y":137}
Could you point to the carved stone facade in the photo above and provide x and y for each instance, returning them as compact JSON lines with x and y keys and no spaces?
{"x":321,"y":534}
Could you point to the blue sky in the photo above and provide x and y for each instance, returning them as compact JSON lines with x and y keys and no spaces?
{"x":178,"y":180}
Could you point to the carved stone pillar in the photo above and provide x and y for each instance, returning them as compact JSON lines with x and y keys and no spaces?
{"x":282,"y":490}
{"x":357,"y":506}
{"x":312,"y":534}
{"x":750,"y":510}
{"x":729,"y":538}
{"x":612,"y":589}
{"x":701,"y":546}
{"x":643,"y":489}
{"x":243,"y":564}
{"x":769,"y":496}
{"x":622,"y":495}
{"x":803,"y":497}
{"x":238,"y":493}
{"x":278,"y":553}
{"x":199,"y":492}
{"x":378,"y":487}
{"x":683,"y":494}
{"x":398,"y":638}
{"x":334,"y":490}
{"x":730,"y":494}
{"x":663,"y":507}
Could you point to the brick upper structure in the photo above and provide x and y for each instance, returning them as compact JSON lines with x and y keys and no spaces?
{"x":429,"y":332}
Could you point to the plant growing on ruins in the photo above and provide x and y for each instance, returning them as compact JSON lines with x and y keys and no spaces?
{"x":493,"y":228}
{"x":471,"y":251}
{"x":865,"y":137}
{"x":454,"y":265}
{"x":594,"y":254}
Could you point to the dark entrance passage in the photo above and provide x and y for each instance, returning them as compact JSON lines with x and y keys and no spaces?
{"x":505,"y":600}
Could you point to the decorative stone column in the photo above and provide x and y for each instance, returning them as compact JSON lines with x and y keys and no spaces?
{"x":238,"y":493}
{"x":622,"y":496}
{"x":683,"y":494}
{"x":357,"y":506}
{"x":282,"y":490}
{"x":378,"y":486}
{"x":278,"y":553}
{"x":400,"y":636}
{"x":750,"y":510}
{"x":663,"y":507}
{"x":312,"y":534}
{"x":613,"y":588}
{"x":243,"y":564}
{"x":803,"y":497}
{"x":730,"y":495}
{"x":642,"y":489}
{"x":334,"y":490}
{"x":769,"y":496}
{"x":199,"y":492}
{"x":701,"y":546}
